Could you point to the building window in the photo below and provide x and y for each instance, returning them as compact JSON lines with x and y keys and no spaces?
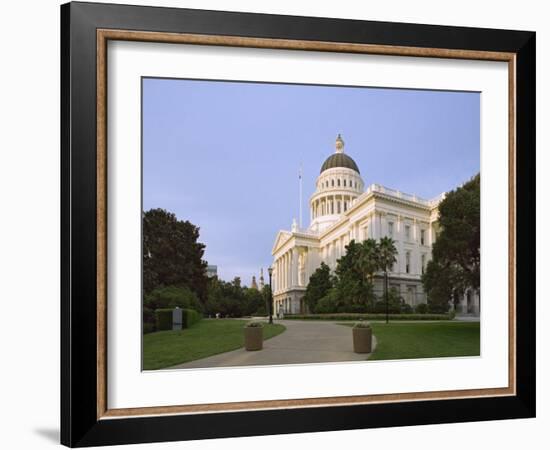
{"x":423,"y":263}
{"x":422,"y":236}
{"x":332,"y":183}
{"x":338,"y":182}
{"x":407,"y":232}
{"x":390,"y":229}
{"x":338,"y":207}
{"x":344,"y":183}
{"x":408,"y":262}
{"x":345,"y":206}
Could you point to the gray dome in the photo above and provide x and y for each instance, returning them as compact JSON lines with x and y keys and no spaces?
{"x":339,"y":160}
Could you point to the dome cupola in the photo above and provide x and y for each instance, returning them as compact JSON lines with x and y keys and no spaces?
{"x":339,"y":158}
{"x":337,"y":187}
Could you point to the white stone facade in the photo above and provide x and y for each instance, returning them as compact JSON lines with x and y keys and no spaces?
{"x":341,"y":209}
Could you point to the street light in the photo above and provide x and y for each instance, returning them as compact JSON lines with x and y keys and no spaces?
{"x":270,"y":272}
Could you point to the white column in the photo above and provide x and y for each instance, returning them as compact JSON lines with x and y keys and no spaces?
{"x":290,"y":268}
{"x":274,"y":276}
{"x":294,"y":267}
{"x":283,"y":276}
{"x":278,"y":271}
{"x":285,"y":270}
{"x":278,"y":274}
{"x":399,"y":238}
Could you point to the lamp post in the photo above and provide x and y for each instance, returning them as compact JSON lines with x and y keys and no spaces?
{"x":270,"y":272}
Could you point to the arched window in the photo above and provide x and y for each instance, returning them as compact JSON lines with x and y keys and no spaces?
{"x":338,"y":182}
{"x":332,"y":183}
{"x":344,"y":183}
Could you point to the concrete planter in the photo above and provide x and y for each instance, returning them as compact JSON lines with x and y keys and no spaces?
{"x":253,"y":338}
{"x":362,"y":339}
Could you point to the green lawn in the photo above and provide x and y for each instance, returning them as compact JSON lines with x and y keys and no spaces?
{"x":425,"y":340}
{"x":206,"y":338}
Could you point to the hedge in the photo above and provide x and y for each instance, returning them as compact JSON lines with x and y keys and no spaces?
{"x":189,"y":317}
{"x":163,"y":318}
{"x":368,"y":316}
{"x":148,"y":328}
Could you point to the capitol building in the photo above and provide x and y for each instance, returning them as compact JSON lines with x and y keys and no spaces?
{"x":342,"y":209}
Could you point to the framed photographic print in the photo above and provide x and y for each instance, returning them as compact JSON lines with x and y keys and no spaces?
{"x":276,"y":224}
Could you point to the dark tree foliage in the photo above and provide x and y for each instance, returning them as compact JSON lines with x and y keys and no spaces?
{"x":230,"y":299}
{"x":351,"y":287}
{"x":172,"y":255}
{"x":263,"y":309}
{"x":456,"y":260}
{"x":319,"y":284}
{"x":355,"y":273}
{"x":170,"y":297}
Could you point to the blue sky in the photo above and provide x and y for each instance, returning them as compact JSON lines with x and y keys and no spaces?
{"x":226,"y":155}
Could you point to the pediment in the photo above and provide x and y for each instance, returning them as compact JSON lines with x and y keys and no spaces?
{"x":282,"y":237}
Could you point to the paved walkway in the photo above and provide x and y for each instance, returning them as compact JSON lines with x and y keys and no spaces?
{"x":467,"y":318}
{"x":303,"y":342}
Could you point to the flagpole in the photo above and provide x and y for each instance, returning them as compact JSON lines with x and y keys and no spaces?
{"x":300,"y":183}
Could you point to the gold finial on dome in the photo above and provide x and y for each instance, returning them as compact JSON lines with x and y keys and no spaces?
{"x":339,"y":144}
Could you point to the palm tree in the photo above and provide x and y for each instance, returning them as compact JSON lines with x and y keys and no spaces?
{"x":366,"y":264}
{"x":386,"y":258}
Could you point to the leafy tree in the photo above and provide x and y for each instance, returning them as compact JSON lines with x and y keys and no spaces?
{"x":386,"y":258}
{"x":329,"y":303}
{"x":263,"y":309}
{"x":439,"y":284}
{"x":168,"y":297}
{"x":456,"y":259}
{"x":254,"y":300}
{"x":172,"y":296}
{"x":392,"y":303}
{"x":354,"y":276}
{"x":172,"y":255}
{"x":232,"y":299}
{"x":319,"y":284}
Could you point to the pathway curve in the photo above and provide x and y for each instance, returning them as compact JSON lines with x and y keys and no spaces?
{"x":303,"y":342}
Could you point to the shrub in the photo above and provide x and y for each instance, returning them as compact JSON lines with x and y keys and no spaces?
{"x":171,"y":296}
{"x":406,"y":308}
{"x":327,"y":304}
{"x":189,"y":317}
{"x":148,"y":328}
{"x":148,"y":318}
{"x":421,"y":308}
{"x":369,"y":316}
{"x":438,"y":307}
{"x":163,"y":319}
{"x":353,"y":308}
{"x":393,"y":307}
